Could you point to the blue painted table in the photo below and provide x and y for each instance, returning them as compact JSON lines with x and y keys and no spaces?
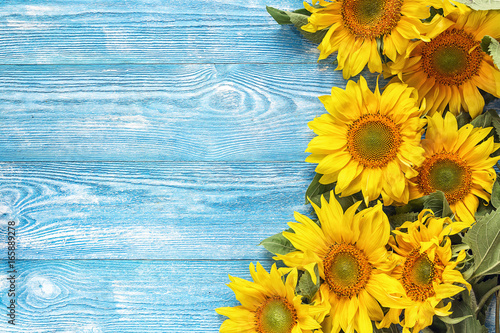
{"x":147,"y":147}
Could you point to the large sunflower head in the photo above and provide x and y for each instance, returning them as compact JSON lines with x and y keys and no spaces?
{"x":427,"y":274}
{"x":449,"y":69}
{"x":350,"y":252}
{"x":368,"y":142}
{"x":354,"y":26}
{"x":269,"y":305}
{"x":458,"y":163}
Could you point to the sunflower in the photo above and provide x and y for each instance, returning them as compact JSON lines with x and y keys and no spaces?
{"x":457,"y":164}
{"x":269,"y":305}
{"x":355,"y":26}
{"x":449,"y":69}
{"x":368,"y":142}
{"x":428,"y":275}
{"x":350,"y":252}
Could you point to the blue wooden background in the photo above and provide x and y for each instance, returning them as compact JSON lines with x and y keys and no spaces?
{"x":146,"y":148}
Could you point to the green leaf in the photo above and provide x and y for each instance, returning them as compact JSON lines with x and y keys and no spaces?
{"x":481,"y":4}
{"x":306,"y":287}
{"x":279,"y":16}
{"x":484,"y":241}
{"x":435,"y":201}
{"x":453,"y":321}
{"x":278,"y":244}
{"x":316,"y":189}
{"x":484,"y":120}
{"x":397,"y":220}
{"x":463,"y":119}
{"x":480,"y":290}
{"x":495,"y":194}
{"x":298,"y":18}
{"x":491,"y":46}
{"x":438,"y":204}
{"x":464,"y":308}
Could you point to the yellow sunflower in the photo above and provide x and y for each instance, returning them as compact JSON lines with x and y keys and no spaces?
{"x":448,"y":70}
{"x":269,"y":305}
{"x":355,"y":25}
{"x":368,"y":142}
{"x":427,"y":274}
{"x":457,"y":164}
{"x":350,"y":252}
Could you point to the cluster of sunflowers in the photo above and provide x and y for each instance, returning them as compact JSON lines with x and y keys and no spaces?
{"x":406,"y":234}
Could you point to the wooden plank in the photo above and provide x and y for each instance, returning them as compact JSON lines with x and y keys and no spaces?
{"x":120,"y":295}
{"x":165,"y":112}
{"x":137,"y":31}
{"x":149,"y":210}
{"x":90,"y":296}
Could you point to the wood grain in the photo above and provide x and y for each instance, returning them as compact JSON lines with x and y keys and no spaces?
{"x":165,"y":112}
{"x":152,"y":31}
{"x":149,"y":210}
{"x":96,"y":296}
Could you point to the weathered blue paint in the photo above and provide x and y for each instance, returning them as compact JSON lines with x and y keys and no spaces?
{"x":147,"y":147}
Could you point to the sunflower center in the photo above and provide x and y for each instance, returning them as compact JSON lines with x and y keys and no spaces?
{"x":447,"y":173}
{"x":370,"y":18}
{"x":275,"y":315}
{"x":452,"y":58}
{"x":418,"y":274}
{"x":347,"y":270}
{"x":373,"y":140}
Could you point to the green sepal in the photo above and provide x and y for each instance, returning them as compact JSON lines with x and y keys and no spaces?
{"x":298,"y":18}
{"x":278,"y":244}
{"x":306,"y":287}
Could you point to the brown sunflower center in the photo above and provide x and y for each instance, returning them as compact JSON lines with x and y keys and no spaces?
{"x":452,"y":58}
{"x":418,"y":274}
{"x":445,"y":172}
{"x":373,"y":140}
{"x":275,"y":315}
{"x":347,"y":270}
{"x":371,"y":18}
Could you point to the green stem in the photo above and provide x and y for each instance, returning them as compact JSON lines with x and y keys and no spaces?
{"x":485,"y":298}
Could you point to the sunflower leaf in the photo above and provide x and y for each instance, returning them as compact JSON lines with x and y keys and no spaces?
{"x":278,"y":15}
{"x":299,"y":20}
{"x":484,"y":241}
{"x":481,"y":4}
{"x":491,"y":46}
{"x":485,"y":119}
{"x":397,"y":220}
{"x":306,"y":287}
{"x":464,"y":308}
{"x":438,"y":204}
{"x":495,"y":194}
{"x":480,"y":290}
{"x":463,"y":119}
{"x":278,"y":244}
{"x":316,"y":189}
